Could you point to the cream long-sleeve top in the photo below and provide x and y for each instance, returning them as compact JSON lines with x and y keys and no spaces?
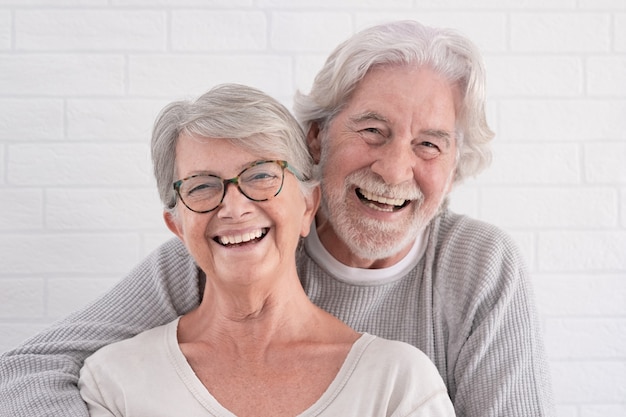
{"x":148,"y":375}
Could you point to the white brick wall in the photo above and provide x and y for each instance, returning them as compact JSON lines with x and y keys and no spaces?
{"x":82,"y":80}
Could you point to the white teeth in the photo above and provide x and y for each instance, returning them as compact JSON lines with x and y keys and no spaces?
{"x":245,"y":237}
{"x":375,"y":207}
{"x":381,"y":199}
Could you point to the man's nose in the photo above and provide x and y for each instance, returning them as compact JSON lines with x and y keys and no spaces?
{"x":395,"y":162}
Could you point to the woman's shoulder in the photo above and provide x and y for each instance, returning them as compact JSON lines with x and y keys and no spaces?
{"x":405,"y":375}
{"x":401,"y":358}
{"x":145,"y":345}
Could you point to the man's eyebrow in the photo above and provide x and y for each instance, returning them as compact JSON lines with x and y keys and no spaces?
{"x":370,"y":115}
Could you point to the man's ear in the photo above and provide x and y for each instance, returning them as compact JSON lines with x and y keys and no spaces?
{"x":313,"y":140}
{"x":452,"y":181}
{"x":172,"y":224}
{"x":312,"y":204}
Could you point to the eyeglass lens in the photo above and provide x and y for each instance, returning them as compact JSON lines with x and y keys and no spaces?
{"x":258,"y":182}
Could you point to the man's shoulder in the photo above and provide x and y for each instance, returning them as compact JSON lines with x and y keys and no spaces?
{"x":469,"y":248}
{"x":470,"y":236}
{"x":451,"y":222}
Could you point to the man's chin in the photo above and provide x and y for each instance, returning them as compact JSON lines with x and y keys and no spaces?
{"x":376,"y":245}
{"x":370,"y":238}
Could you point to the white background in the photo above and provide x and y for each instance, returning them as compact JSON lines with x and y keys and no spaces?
{"x":82,"y":80}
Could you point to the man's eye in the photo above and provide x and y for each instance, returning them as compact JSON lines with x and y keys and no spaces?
{"x":373,"y":135}
{"x":427,"y":150}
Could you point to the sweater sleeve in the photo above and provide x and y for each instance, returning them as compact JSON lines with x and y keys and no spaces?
{"x":495,"y":355}
{"x":39,"y":378}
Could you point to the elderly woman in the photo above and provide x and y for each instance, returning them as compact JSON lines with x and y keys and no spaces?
{"x":234,"y":175}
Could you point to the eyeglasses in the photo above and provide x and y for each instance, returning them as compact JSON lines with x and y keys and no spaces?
{"x":260,"y":181}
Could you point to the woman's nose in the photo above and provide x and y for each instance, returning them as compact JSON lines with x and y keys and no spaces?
{"x":234,"y":204}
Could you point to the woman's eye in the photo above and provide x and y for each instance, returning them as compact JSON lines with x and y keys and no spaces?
{"x":261,"y":176}
{"x":199,"y":187}
{"x":202,"y":188}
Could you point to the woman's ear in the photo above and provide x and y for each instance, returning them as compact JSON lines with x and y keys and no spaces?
{"x":312,"y":203}
{"x":313,"y":140}
{"x":173,"y":224}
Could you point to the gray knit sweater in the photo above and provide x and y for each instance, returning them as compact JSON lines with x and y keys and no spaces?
{"x":467,"y":304}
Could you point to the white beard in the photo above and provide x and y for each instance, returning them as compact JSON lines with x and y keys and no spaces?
{"x":366,"y":237}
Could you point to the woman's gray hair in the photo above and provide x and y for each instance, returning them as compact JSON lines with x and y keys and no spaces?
{"x":247,"y":116}
{"x":407,"y":43}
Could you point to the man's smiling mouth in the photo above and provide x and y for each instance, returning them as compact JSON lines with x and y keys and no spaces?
{"x":379,"y":202}
{"x":247,"y":237}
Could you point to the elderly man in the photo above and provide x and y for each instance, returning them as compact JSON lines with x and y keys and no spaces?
{"x":394,"y":120}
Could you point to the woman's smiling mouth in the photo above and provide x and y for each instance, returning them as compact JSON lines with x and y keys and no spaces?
{"x":241,"y":238}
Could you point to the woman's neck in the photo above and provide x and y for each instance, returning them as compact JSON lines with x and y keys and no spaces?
{"x":253,"y":314}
